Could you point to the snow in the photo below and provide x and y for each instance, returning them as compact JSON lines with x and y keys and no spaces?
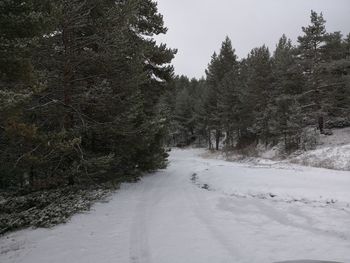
{"x":333,"y":152}
{"x":339,"y":137}
{"x":285,"y":182}
{"x":335,"y":157}
{"x":204,"y":210}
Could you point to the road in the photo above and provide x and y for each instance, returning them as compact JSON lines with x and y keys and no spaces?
{"x":171,"y":216}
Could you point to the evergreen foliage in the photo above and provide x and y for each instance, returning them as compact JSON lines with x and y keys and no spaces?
{"x":218,"y":89}
{"x":80,"y":90}
{"x":270,"y":98}
{"x":87,"y":95}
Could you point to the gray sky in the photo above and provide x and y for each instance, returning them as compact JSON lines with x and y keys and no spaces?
{"x":197,"y":27}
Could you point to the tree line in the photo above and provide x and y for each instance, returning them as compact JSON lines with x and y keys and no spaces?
{"x":266,"y":98}
{"x":80,"y":88}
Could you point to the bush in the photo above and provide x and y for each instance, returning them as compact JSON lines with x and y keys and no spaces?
{"x":309,"y":139}
{"x":46,"y":208}
{"x":338,"y":123}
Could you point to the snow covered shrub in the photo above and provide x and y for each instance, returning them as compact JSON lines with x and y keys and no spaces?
{"x":309,"y":139}
{"x":338,"y":123}
{"x":334,"y":157}
{"x":46,"y":208}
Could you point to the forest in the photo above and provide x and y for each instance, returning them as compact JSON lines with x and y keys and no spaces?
{"x":80,"y":88}
{"x":80,"y":111}
{"x":280,"y":97}
{"x":87,"y":95}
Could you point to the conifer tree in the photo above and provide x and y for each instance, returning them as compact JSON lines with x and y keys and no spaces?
{"x":260,"y":90}
{"x":311,"y":49}
{"x":219,"y":67}
{"x":21,"y":24}
{"x":288,"y":84}
{"x":95,"y":113}
{"x":272,"y":99}
{"x":229,"y":106}
{"x":335,"y":70}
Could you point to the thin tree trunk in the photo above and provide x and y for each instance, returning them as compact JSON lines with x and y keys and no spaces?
{"x":31,"y":177}
{"x":67,"y":77}
{"x":217,"y":135}
{"x":209,"y":140}
{"x":321,"y":124}
{"x":67,"y":85}
{"x":228,"y":139}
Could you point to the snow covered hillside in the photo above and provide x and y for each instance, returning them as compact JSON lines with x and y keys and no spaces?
{"x":203,"y":210}
{"x":332,"y":152}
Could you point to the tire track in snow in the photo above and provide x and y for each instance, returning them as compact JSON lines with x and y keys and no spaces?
{"x":200,"y":210}
{"x":284,"y":219}
{"x":150,"y":194}
{"x":285,"y":214}
{"x":139,"y":246}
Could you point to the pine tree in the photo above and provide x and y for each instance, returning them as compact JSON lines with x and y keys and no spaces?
{"x":184,"y":114}
{"x":288,"y":85}
{"x":270,"y":99}
{"x":96,"y":112}
{"x":311,"y":49}
{"x":21,"y":24}
{"x":219,"y":67}
{"x":200,"y":117}
{"x":259,"y":90}
{"x":335,"y":71}
{"x":210,"y":103}
{"x":333,"y":48}
{"x":229,"y":104}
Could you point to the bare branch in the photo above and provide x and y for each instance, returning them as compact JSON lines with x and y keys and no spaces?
{"x":28,"y":153}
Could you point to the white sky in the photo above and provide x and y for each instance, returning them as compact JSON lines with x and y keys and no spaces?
{"x":197,"y":27}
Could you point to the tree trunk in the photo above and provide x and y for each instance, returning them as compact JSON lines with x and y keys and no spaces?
{"x":67,"y":76}
{"x":71,"y":179}
{"x":321,"y":124}
{"x":285,"y":139}
{"x":217,"y":138}
{"x":228,"y":139}
{"x":67,"y":84}
{"x":209,"y":140}
{"x":31,"y":177}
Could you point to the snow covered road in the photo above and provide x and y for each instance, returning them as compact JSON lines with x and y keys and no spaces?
{"x":202,"y":210}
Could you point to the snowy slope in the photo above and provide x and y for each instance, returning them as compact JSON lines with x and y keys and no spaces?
{"x":280,"y":182}
{"x":340,"y":137}
{"x":333,"y":152}
{"x":201,"y":210}
{"x":334,"y":157}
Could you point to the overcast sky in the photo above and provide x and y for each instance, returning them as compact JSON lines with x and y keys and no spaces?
{"x":197,"y":27}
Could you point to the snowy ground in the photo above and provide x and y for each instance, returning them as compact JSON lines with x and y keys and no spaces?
{"x":332,"y":152}
{"x":202,"y":210}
